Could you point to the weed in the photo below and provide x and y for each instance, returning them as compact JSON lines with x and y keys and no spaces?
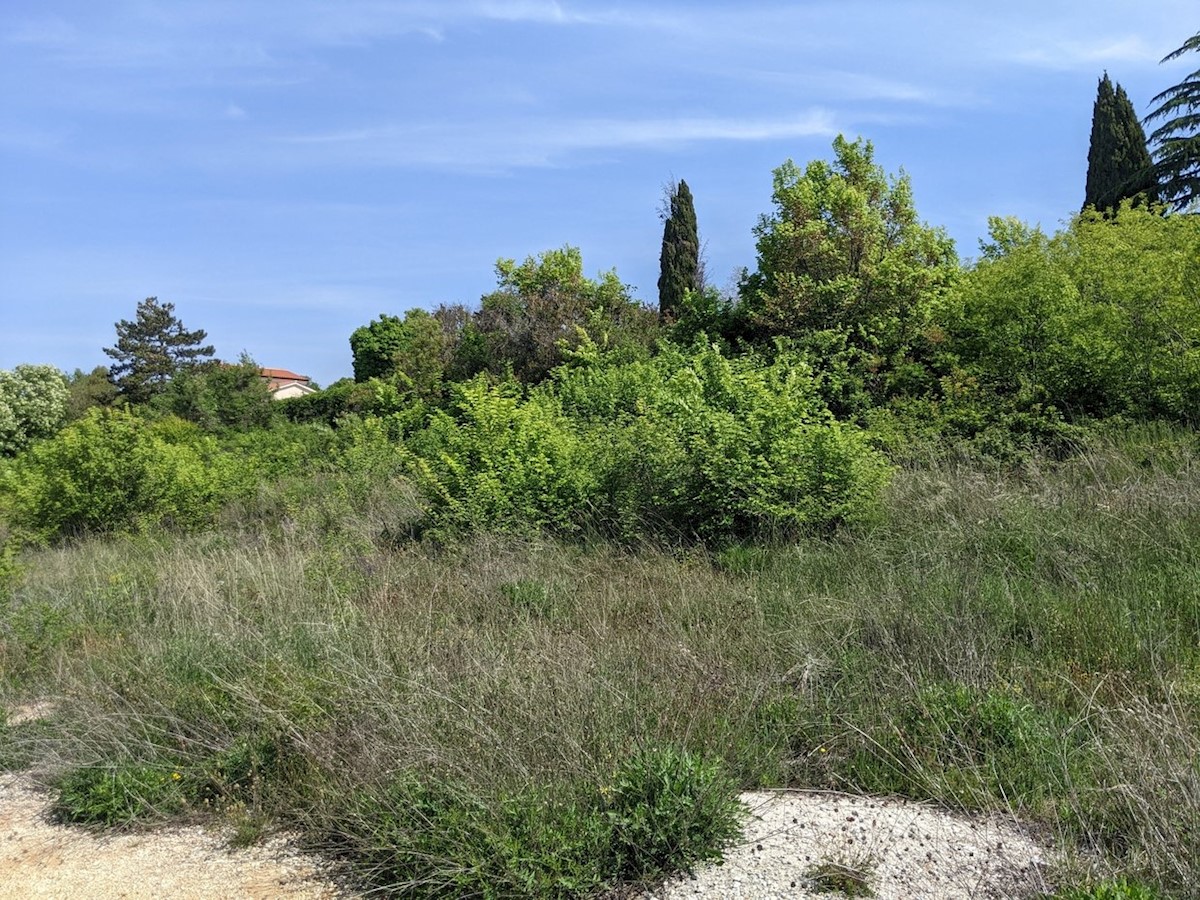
{"x":1120,"y":889}
{"x":669,"y":811}
{"x":118,"y":795}
{"x":848,"y":879}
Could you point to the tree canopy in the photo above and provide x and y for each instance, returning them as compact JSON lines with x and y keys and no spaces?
{"x":153,"y":348}
{"x":844,"y":250}
{"x":410,"y":350}
{"x":546,"y":304}
{"x":33,"y":403}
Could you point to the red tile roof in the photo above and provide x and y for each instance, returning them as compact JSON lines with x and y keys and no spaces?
{"x":283,"y":375}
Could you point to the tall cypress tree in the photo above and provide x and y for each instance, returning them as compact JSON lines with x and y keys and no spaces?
{"x":679,"y":264}
{"x":1119,"y":164}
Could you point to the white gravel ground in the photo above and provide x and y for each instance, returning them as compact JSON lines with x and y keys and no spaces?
{"x":906,"y":850}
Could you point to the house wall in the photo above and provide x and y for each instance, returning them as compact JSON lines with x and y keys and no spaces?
{"x":287,"y":391}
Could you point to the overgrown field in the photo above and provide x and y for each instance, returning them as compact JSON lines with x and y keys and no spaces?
{"x":521,"y":716}
{"x":518,"y":609}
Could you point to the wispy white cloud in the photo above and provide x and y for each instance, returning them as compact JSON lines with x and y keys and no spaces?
{"x":1073,"y":54}
{"x":519,"y":145}
{"x":546,"y":11}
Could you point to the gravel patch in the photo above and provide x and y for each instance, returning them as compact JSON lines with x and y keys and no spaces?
{"x":902,"y":850}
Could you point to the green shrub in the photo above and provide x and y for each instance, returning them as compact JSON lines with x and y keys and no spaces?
{"x":667,"y":811}
{"x":695,"y":443}
{"x":428,"y":837}
{"x":1119,"y":889}
{"x":324,"y":407}
{"x":118,"y":795}
{"x":10,"y":569}
{"x":111,"y":470}
{"x":683,"y":445}
{"x":501,"y":462}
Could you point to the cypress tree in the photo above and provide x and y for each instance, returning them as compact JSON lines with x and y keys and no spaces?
{"x":1119,"y":164}
{"x":679,"y":263}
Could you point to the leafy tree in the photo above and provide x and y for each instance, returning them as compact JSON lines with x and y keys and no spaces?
{"x":222,"y":396}
{"x":87,"y":390}
{"x":153,"y":348}
{"x":33,"y":404}
{"x":1099,"y":319}
{"x":845,"y":268}
{"x":1177,"y":140}
{"x":464,"y":349}
{"x":410,"y":351}
{"x":1119,"y":164}
{"x":374,"y":347}
{"x":679,"y":262}
{"x":545,"y":305}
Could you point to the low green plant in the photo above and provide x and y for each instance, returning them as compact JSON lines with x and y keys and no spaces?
{"x":668,"y":811}
{"x":119,"y":795}
{"x":434,"y":837}
{"x":665,"y":811}
{"x":1119,"y":889}
{"x":852,"y":879}
{"x":533,"y":597}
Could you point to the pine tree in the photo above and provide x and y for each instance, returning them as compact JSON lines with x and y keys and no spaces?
{"x":151,"y":349}
{"x":1177,"y":140}
{"x":1119,"y":164}
{"x":679,"y":264}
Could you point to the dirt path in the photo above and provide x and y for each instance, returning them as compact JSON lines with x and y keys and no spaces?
{"x":41,"y":860}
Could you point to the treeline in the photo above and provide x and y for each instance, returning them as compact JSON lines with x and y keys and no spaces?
{"x":561,"y":402}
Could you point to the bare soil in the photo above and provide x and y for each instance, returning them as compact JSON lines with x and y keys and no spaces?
{"x":41,"y":860}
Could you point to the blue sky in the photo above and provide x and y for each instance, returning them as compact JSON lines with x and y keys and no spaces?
{"x":285,"y":171}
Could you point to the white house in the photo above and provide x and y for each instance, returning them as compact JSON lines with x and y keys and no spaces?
{"x":284,"y":384}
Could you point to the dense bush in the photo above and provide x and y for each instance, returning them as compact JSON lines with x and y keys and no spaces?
{"x":682,"y":445}
{"x":665,"y":811}
{"x":33,"y":403}
{"x":221,"y":395}
{"x":504,"y":462}
{"x":112,"y":470}
{"x":325,"y":406}
{"x":699,"y":444}
{"x":1097,"y":320}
